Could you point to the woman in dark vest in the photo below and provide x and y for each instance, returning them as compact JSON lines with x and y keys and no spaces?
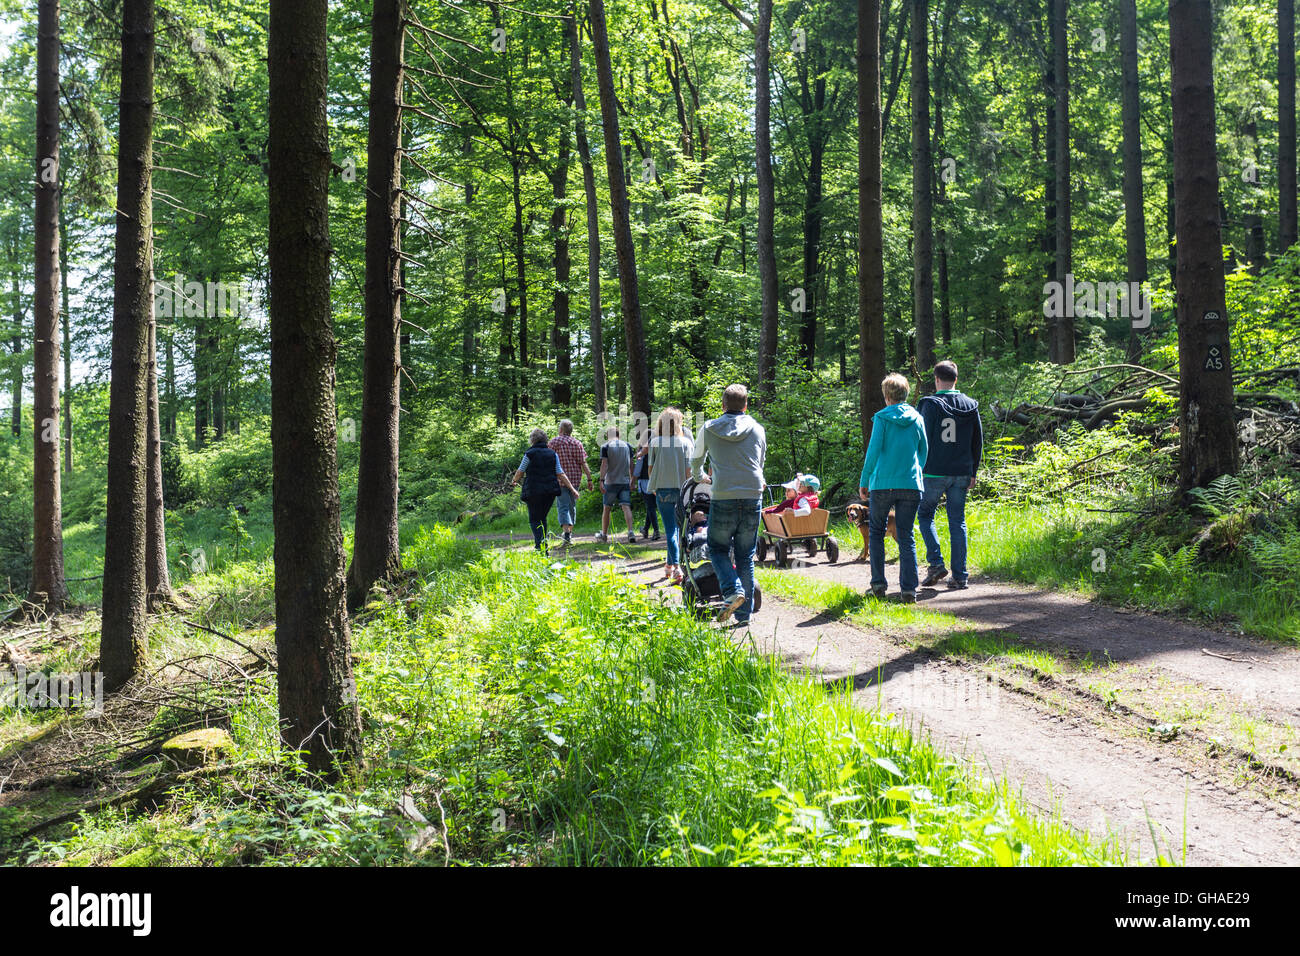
{"x":543,"y":477}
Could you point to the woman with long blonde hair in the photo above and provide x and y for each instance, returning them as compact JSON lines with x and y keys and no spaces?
{"x":670,"y":453}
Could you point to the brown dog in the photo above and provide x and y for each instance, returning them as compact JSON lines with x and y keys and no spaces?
{"x":860,"y":515}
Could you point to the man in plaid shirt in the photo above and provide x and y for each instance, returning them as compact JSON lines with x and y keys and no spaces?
{"x":573,"y":459}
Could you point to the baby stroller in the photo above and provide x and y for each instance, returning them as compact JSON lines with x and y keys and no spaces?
{"x":700,"y":581}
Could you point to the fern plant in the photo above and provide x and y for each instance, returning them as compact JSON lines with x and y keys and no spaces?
{"x":1225,"y":495}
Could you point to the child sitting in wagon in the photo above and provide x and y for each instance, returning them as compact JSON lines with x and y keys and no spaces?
{"x":800,"y":496}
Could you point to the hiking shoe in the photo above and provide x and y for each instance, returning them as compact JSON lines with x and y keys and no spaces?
{"x":656,"y":536}
{"x":631,"y":538}
{"x":907,"y":597}
{"x":878,"y":591}
{"x":955,"y":585}
{"x":731,"y":606}
{"x":934,"y":576}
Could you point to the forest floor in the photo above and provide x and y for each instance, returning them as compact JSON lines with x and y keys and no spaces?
{"x":1176,"y":738}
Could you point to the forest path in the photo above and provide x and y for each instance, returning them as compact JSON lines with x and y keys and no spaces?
{"x":1153,"y":729}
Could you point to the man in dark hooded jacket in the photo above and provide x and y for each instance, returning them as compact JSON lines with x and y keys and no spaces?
{"x":956,"y":439}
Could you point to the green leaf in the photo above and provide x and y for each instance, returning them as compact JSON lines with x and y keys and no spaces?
{"x":888,"y":765}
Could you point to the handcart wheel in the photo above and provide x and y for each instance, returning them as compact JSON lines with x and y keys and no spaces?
{"x":762,"y":549}
{"x":811,"y":545}
{"x":782,"y":553}
{"x":832,"y":550}
{"x":758,"y":598}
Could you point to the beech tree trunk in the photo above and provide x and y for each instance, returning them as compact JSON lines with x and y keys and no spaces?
{"x":1286,"y":155}
{"x":376,"y":553}
{"x":767,"y":340}
{"x":48,"y":591}
{"x":922,"y":196}
{"x":1207,"y":429}
{"x":1063,"y":328}
{"x":318,"y":705}
{"x":593,"y":218}
{"x":1135,"y":225}
{"x":871,"y":231}
{"x":638,"y":373}
{"x":125,"y":641}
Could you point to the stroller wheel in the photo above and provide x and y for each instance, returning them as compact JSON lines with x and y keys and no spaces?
{"x":762,"y":549}
{"x":758,"y":598}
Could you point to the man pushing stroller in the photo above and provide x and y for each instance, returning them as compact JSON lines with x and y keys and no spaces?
{"x":735,"y":446}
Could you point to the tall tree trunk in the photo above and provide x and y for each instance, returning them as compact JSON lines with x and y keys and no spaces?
{"x":125,"y":641}
{"x":67,"y":346}
{"x":593,"y":218}
{"x":202,"y":382}
{"x":169,"y":423}
{"x":767,"y":340}
{"x":521,"y":278}
{"x":157,"y":575}
{"x":1135,"y":224}
{"x":1207,"y":430}
{"x":638,"y":373}
{"x":469,"y":330}
{"x":16,"y":345}
{"x":562,"y":389}
{"x":871,"y":229}
{"x":1063,"y":339}
{"x":318,"y":703}
{"x":376,"y":554}
{"x":922,"y":195}
{"x":1049,"y":184}
{"x":1286,"y":155}
{"x":812,"y":238}
{"x":48,"y":591}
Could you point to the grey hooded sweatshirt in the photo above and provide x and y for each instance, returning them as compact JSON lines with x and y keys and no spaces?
{"x":736,"y":447}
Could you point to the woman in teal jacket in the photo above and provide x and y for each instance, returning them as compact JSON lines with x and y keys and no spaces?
{"x":891,"y":478}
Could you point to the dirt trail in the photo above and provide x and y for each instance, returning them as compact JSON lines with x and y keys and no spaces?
{"x":1265,"y":675}
{"x":1062,"y":750}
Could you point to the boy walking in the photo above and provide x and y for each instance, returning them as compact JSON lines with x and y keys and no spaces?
{"x":616,"y":482}
{"x":956,"y":437}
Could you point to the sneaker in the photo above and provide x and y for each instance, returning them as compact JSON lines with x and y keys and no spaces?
{"x":568,"y":538}
{"x":907,"y":597}
{"x":601,"y":537}
{"x":878,"y":591}
{"x":955,"y":585}
{"x":934,"y":576}
{"x":731,"y":606}
{"x":631,"y":538}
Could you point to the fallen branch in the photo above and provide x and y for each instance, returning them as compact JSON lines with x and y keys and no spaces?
{"x":227,"y":637}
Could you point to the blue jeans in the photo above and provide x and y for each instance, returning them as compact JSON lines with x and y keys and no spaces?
{"x":733,"y":529}
{"x":904,"y":501}
{"x":955,"y":488}
{"x":568,"y":506}
{"x":666,"y":499}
